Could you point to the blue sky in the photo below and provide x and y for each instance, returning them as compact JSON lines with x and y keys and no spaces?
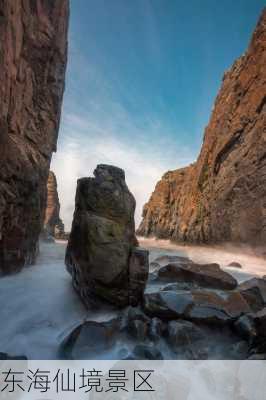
{"x":142,"y":77}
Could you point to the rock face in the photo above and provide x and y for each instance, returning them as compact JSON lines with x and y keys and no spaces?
{"x":33,"y":55}
{"x":53,"y":225}
{"x":101,"y":253}
{"x":206,"y":275}
{"x":222,"y":197}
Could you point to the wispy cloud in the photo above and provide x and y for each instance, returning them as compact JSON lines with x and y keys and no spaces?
{"x":108,"y":119}
{"x":85,"y":143}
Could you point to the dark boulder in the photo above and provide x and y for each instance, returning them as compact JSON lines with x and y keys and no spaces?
{"x":101,"y":254}
{"x":202,"y":306}
{"x":90,"y":338}
{"x":254,"y":291}
{"x":183,"y":333}
{"x":203,"y":275}
{"x":235,"y":264}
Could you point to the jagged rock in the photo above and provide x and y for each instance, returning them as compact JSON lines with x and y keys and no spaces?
{"x":205,"y":275}
{"x":245,"y":327}
{"x":235,"y":264}
{"x":101,"y":253}
{"x":53,"y":225}
{"x":222,"y":196}
{"x":183,"y":333}
{"x":138,"y":274}
{"x":254,"y":291}
{"x":90,"y":337}
{"x":33,"y":58}
{"x":200,"y":306}
{"x":137,"y":324}
{"x":260,"y":323}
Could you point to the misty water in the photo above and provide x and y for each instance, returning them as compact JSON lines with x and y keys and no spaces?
{"x":40,"y":308}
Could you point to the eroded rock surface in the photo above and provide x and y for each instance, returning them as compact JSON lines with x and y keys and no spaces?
{"x":53,"y":225}
{"x":202,"y":275}
{"x":101,"y":253}
{"x":222,"y":197}
{"x":33,"y":56}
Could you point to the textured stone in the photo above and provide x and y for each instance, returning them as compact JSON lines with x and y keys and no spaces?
{"x":203,"y":275}
{"x":33,"y":55}
{"x":183,"y":333}
{"x":254,"y":291}
{"x":101,"y":253}
{"x":53,"y":225}
{"x":200,"y":306}
{"x":222,"y":196}
{"x":90,"y":336}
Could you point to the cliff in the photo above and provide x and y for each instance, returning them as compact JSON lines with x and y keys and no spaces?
{"x":33,"y":55}
{"x":222,"y":197}
{"x":53,"y":225}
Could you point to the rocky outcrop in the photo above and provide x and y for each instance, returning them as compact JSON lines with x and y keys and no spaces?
{"x":222,"y":197}
{"x":53,"y":225}
{"x":101,"y":254}
{"x":33,"y":58}
{"x":203,"y":275}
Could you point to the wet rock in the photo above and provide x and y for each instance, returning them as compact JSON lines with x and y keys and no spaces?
{"x":245,"y":327}
{"x":101,"y":254}
{"x":183,"y":333}
{"x":260,"y":323}
{"x":235,"y":264}
{"x":156,"y":329}
{"x":205,"y":275}
{"x":221,"y":197}
{"x":254,"y":291}
{"x":33,"y":55}
{"x":202,"y":306}
{"x":167,"y":305}
{"x":240,"y":350}
{"x":146,"y":352}
{"x":166,"y":259}
{"x":90,"y":338}
{"x":137,"y":324}
{"x":5,"y":356}
{"x":138,"y":274}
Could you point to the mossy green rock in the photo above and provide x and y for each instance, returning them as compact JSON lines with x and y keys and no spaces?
{"x":101,"y":253}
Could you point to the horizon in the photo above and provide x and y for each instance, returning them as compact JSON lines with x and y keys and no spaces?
{"x":140,"y":87}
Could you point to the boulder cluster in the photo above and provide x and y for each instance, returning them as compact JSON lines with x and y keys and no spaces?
{"x":188,"y":311}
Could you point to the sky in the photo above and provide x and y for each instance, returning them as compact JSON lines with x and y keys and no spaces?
{"x":141,"y":80}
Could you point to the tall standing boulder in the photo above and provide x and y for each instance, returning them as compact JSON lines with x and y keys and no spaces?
{"x":33,"y":55}
{"x":101,"y":254}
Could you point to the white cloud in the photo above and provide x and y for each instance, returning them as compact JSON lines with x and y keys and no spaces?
{"x":143,"y":160}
